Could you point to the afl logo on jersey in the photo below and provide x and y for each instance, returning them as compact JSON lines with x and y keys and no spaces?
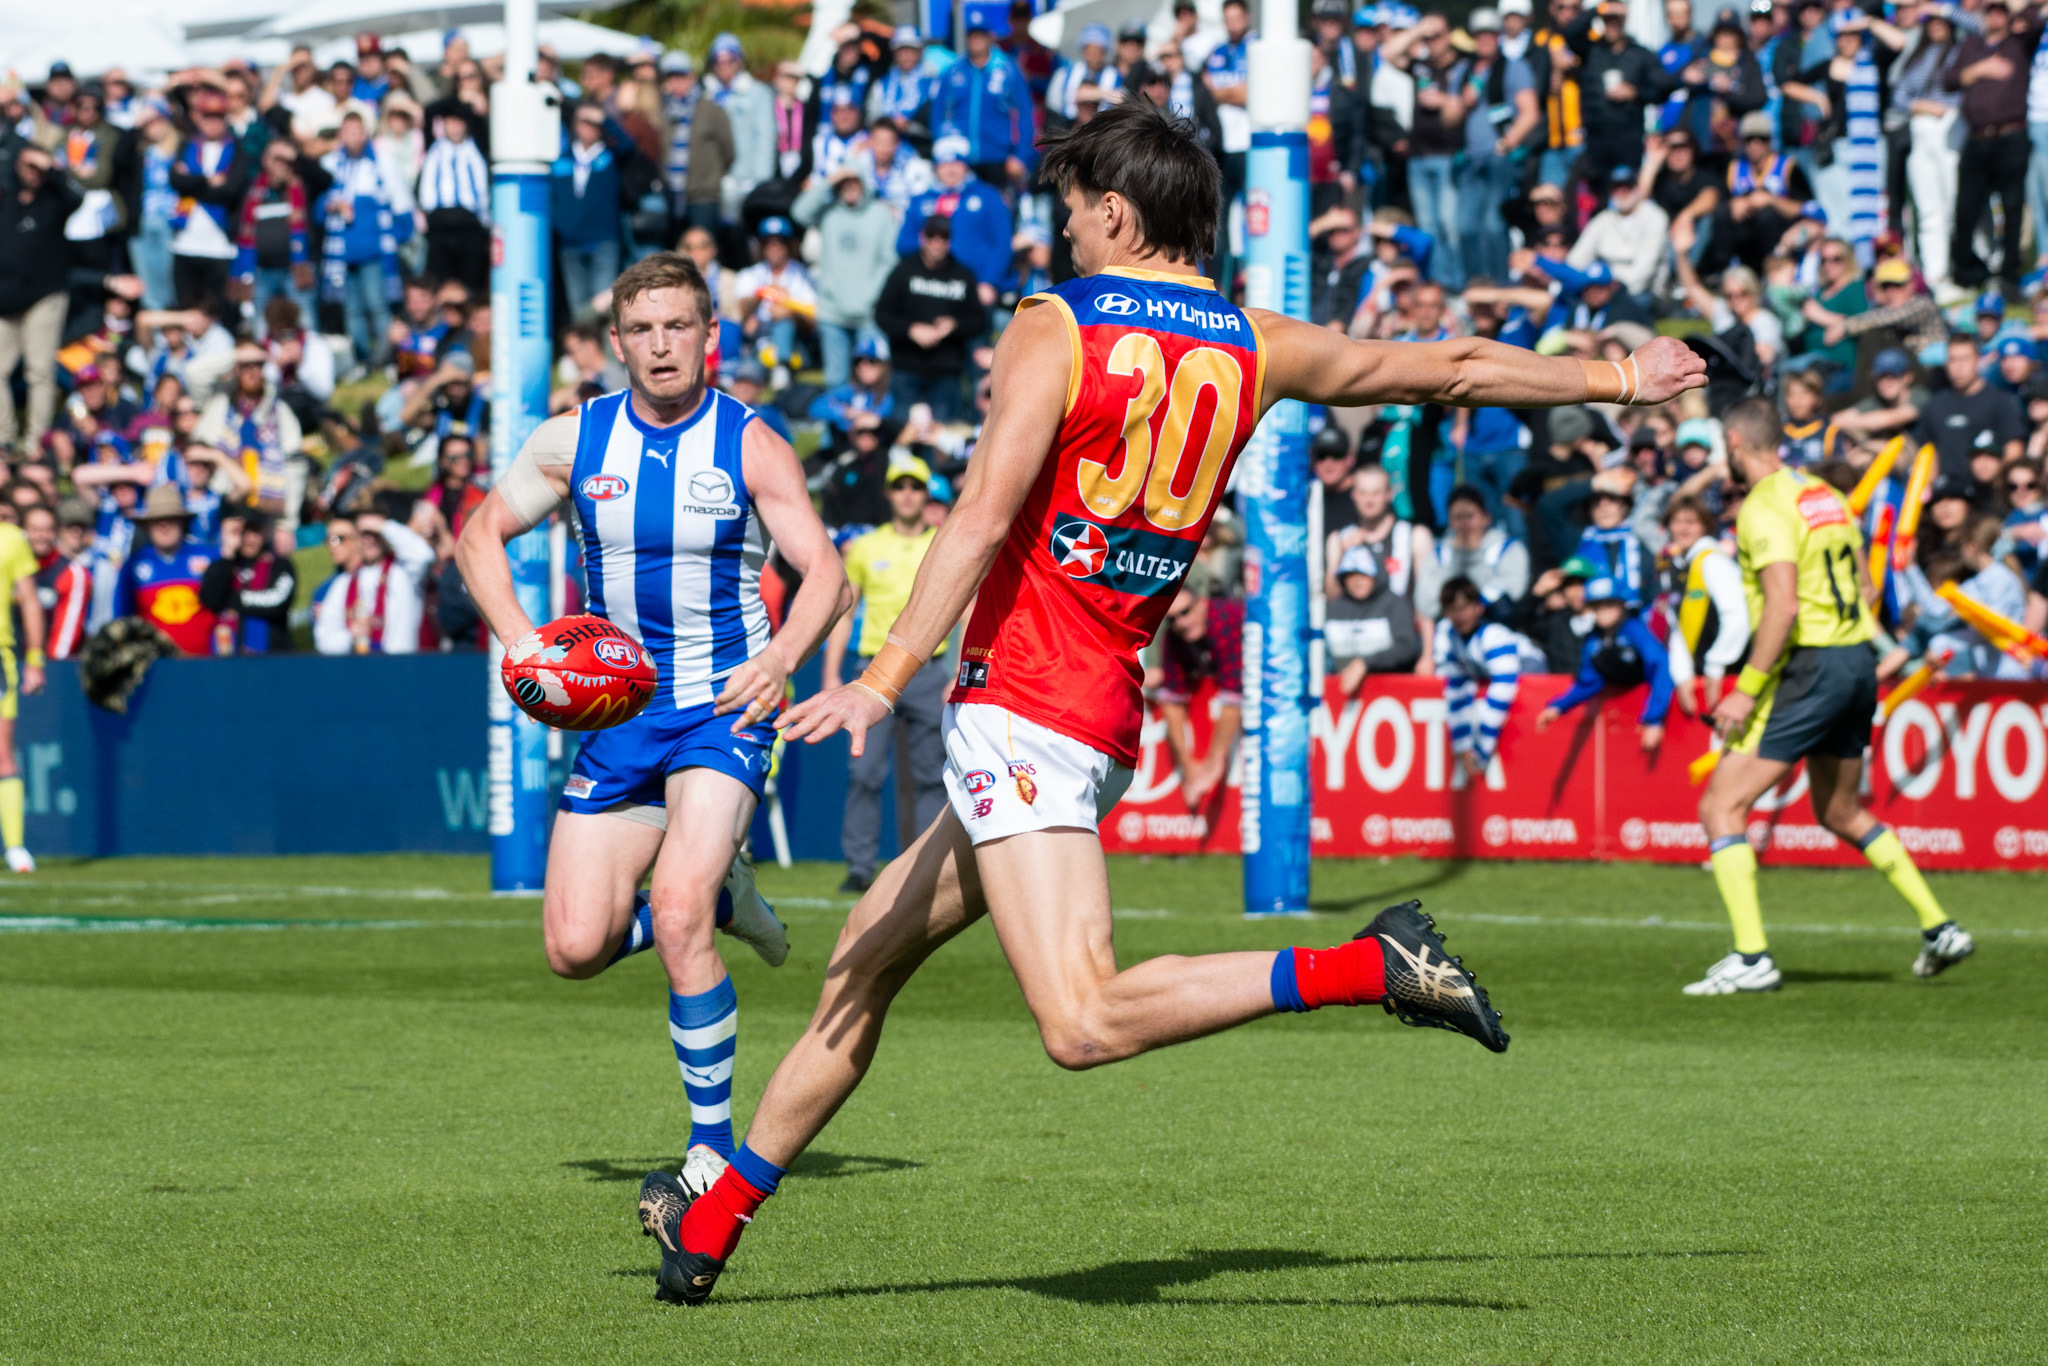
{"x":1079,"y":549}
{"x":620,"y":654}
{"x":980,"y":781}
{"x":1116,"y":305}
{"x":602,"y":488}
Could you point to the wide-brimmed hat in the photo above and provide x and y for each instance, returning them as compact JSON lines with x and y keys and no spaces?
{"x":164,"y":502}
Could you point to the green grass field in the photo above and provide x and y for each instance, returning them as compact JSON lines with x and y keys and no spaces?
{"x":385,"y":1132}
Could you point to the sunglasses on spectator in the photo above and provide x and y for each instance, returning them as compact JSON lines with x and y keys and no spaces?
{"x":2021,"y":485}
{"x":340,"y":537}
{"x":1833,"y":258}
{"x":1333,"y":456}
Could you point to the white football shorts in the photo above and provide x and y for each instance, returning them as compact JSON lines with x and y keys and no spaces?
{"x":1006,"y":775}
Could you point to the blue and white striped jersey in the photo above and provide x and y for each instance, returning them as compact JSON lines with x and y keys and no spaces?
{"x":672,"y":547}
{"x":1481,"y":673}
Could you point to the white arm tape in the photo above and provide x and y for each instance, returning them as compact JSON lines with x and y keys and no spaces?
{"x":524,"y":488}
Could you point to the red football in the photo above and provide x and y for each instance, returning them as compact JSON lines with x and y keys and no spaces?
{"x":579,"y":673}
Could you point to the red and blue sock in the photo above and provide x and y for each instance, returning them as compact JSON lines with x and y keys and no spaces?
{"x":1351,"y":974}
{"x":713,"y":1223}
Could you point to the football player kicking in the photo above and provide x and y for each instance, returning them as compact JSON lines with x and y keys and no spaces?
{"x":677,"y":490}
{"x":1120,"y":401}
{"x":1807,"y":692}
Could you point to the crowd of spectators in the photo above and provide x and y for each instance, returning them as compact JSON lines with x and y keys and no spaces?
{"x":245,"y":314}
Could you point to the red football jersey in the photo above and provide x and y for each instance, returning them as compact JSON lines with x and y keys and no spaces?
{"x":1164,"y":394}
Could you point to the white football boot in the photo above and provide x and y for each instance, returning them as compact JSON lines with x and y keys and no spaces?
{"x":1731,"y":975}
{"x":701,"y":1167}
{"x":1945,"y":946}
{"x":754,"y":921}
{"x":20,"y":860}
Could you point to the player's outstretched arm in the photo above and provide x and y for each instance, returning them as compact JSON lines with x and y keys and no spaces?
{"x":1317,"y":365}
{"x":1027,"y":402}
{"x":775,"y":481}
{"x":535,"y":485}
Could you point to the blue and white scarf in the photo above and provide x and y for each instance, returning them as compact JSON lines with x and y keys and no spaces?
{"x":1864,"y":133}
{"x":682,"y":113}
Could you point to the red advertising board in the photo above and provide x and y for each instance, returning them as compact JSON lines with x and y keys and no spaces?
{"x":1958,"y":771}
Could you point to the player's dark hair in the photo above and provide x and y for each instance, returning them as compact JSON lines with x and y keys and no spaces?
{"x":662,"y":270}
{"x":1756,"y":421}
{"x":1152,"y":160}
{"x":1459,"y":588}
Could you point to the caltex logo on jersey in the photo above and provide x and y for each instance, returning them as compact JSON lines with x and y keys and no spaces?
{"x":620,"y":654}
{"x":1116,"y":305}
{"x":1079,"y":548}
{"x":602,"y":488}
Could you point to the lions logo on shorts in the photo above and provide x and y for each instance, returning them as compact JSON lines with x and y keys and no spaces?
{"x":1027,"y":787}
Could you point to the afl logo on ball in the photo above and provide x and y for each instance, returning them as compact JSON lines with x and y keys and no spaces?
{"x":602,"y":488}
{"x":620,"y":654}
{"x":529,"y":692}
{"x":1116,"y":305}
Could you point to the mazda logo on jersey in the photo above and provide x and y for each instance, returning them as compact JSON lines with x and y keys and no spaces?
{"x":711,"y":495}
{"x":602,"y":488}
{"x":1116,"y":305}
{"x":1122,"y":558}
{"x":711,"y":486}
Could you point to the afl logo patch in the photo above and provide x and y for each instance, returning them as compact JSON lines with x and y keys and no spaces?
{"x":620,"y":654}
{"x":711,"y":486}
{"x":529,"y":692}
{"x":602,"y":488}
{"x":980,"y":781}
{"x":1116,"y":305}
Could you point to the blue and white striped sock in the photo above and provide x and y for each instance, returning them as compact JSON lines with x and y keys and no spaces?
{"x":705,"y":1029}
{"x":639,"y":934}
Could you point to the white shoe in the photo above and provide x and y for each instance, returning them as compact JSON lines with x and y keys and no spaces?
{"x":754,"y":922}
{"x":1949,"y":945}
{"x":701,"y":1167}
{"x":1731,"y":975}
{"x":20,"y":860}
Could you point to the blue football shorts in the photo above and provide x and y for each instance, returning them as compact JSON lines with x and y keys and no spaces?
{"x":630,"y":763}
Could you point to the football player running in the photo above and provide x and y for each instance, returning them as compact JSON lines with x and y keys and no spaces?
{"x":677,"y":490}
{"x":1120,"y":401}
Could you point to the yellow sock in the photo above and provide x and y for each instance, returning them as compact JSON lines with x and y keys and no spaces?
{"x":11,"y":809}
{"x":1886,"y":855}
{"x":1735,"y":874}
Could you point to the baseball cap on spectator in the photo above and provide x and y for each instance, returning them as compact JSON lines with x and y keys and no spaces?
{"x":776,"y":226}
{"x":89,"y":374}
{"x":366,"y":43}
{"x":1892,"y":271}
{"x":1696,"y":431}
{"x":1329,"y":9}
{"x":872,"y":348}
{"x":750,"y":369}
{"x":1756,"y":125}
{"x":1358,"y":560}
{"x":1945,"y":486}
{"x":1891,"y":361}
{"x":60,"y":69}
{"x":843,"y":95}
{"x":1095,"y":35}
{"x":1520,"y":7}
{"x":1605,"y":589}
{"x":906,"y":36}
{"x":988,"y":16}
{"x":1330,"y":443}
{"x":1579,"y":567}
{"x":1991,"y":305}
{"x":726,"y":45}
{"x":904,"y":465}
{"x":1483,"y":21}
{"x":677,"y":63}
{"x":1624,"y":174}
{"x":950,"y":147}
{"x":937,"y":225}
{"x":1570,"y":426}
{"x":1599,"y":273}
{"x":1134,"y":32}
{"x":1366,"y":16}
{"x":2016,"y":346}
{"x":1812,"y":209}
{"x":461,"y":360}
{"x":75,"y":512}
